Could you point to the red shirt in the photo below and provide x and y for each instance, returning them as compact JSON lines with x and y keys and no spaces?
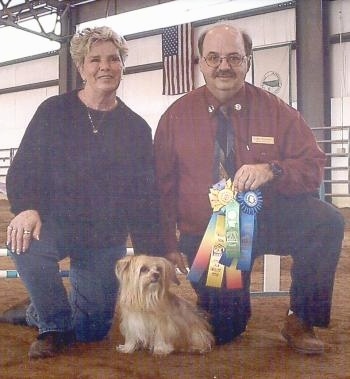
{"x":265,"y":128}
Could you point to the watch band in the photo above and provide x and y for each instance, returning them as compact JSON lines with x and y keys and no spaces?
{"x":276,"y":169}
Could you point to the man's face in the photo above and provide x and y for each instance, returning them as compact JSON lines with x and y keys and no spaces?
{"x":224,"y":80}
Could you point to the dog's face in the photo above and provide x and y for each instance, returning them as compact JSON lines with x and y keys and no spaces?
{"x":143,"y":276}
{"x":151,"y":275}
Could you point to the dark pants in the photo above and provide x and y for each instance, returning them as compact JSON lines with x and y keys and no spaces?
{"x":309,"y":230}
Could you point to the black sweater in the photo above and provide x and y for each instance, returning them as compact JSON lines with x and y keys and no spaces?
{"x":97,"y":187}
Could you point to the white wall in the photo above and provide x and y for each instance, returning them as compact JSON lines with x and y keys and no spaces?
{"x":340,"y":69}
{"x":339,"y":16}
{"x":16,"y":111}
{"x":38,"y":70}
{"x":144,"y":50}
{"x":17,"y":108}
{"x":143,"y":93}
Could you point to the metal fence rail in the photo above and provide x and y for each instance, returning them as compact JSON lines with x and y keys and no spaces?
{"x":337,"y":148}
{"x":6,"y":158}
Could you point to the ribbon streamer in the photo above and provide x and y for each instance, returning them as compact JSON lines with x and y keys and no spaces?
{"x":251,"y":203}
{"x":227,"y":244}
{"x":201,"y":260}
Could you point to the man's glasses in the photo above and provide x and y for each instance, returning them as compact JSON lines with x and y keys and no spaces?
{"x":234,"y":60}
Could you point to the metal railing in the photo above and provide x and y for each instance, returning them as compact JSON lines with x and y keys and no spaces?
{"x":6,"y":158}
{"x":337,"y":148}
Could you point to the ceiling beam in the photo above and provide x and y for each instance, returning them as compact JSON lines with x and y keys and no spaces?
{"x":34,"y":10}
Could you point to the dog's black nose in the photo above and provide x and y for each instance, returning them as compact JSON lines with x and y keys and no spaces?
{"x":155,"y":276}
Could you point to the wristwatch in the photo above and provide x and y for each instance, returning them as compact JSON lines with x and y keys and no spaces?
{"x":276,"y":169}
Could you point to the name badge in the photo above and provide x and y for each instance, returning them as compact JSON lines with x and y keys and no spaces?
{"x":263,"y":140}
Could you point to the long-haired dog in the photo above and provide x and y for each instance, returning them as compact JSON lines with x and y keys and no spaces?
{"x":152,"y":317}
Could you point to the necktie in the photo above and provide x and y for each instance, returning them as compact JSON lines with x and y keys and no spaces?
{"x":224,"y":148}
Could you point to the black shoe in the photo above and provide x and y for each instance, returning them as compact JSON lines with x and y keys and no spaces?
{"x":50,"y":344}
{"x":16,"y":314}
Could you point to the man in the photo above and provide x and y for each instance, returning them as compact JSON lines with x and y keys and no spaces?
{"x":274,"y":151}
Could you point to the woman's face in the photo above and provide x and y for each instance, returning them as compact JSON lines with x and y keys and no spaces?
{"x":102,"y":68}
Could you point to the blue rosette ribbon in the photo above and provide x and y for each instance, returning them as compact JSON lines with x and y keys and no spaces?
{"x":251,"y":203}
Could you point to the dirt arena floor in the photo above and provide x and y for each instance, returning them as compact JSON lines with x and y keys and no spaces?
{"x":259,"y":353}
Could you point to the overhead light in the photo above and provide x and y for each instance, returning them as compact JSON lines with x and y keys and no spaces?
{"x":174,"y":13}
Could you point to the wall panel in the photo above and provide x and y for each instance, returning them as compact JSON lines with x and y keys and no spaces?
{"x":20,"y":107}
{"x":38,"y":70}
{"x":143,"y":93}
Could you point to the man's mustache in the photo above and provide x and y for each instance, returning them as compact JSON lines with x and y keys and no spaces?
{"x":224,"y":73}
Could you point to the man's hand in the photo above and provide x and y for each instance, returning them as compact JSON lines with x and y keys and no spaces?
{"x":252,"y":176}
{"x":176,"y":258}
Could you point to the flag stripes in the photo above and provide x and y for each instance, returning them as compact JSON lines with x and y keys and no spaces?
{"x":177,"y":59}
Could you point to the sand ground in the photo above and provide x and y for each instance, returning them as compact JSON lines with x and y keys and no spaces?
{"x":259,"y":353}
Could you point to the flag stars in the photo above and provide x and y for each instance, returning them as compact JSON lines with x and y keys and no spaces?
{"x":170,"y":41}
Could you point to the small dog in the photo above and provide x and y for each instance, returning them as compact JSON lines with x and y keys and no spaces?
{"x":152,"y":317}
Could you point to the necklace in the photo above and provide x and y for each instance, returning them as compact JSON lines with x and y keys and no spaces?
{"x":95,"y":128}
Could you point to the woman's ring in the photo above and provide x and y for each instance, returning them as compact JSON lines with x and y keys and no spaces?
{"x":27,"y":232}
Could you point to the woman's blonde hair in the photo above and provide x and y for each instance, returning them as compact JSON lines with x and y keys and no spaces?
{"x":81,"y":43}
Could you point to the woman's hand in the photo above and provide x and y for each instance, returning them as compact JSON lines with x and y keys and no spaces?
{"x":25,"y":226}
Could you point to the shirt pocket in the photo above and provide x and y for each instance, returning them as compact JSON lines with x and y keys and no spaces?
{"x":264,"y":153}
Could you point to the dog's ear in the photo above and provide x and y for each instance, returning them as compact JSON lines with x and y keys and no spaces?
{"x":171,"y":271}
{"x":123,"y":265}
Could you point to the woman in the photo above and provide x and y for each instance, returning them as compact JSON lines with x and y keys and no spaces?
{"x":82,"y":179}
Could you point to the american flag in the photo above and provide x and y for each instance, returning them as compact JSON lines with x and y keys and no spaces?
{"x":177,"y":59}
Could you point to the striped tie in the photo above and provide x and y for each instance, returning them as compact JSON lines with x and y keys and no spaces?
{"x":224,"y":166}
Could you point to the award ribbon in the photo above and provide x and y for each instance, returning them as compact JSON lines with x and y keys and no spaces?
{"x":216,"y":270}
{"x":202,"y":257}
{"x":250,"y":204}
{"x":232,"y":234}
{"x":227,"y":243}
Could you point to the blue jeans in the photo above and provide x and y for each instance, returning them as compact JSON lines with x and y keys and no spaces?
{"x":89,"y":308}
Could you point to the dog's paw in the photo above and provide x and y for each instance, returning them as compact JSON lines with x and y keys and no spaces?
{"x":163,"y":349}
{"x":201,"y":350}
{"x":126,"y":349}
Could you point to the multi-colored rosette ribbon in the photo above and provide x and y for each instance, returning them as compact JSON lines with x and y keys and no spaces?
{"x":226,"y":247}
{"x":250,"y":203}
{"x":221,"y":194}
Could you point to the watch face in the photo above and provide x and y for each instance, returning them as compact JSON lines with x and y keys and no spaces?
{"x":276,"y":170}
